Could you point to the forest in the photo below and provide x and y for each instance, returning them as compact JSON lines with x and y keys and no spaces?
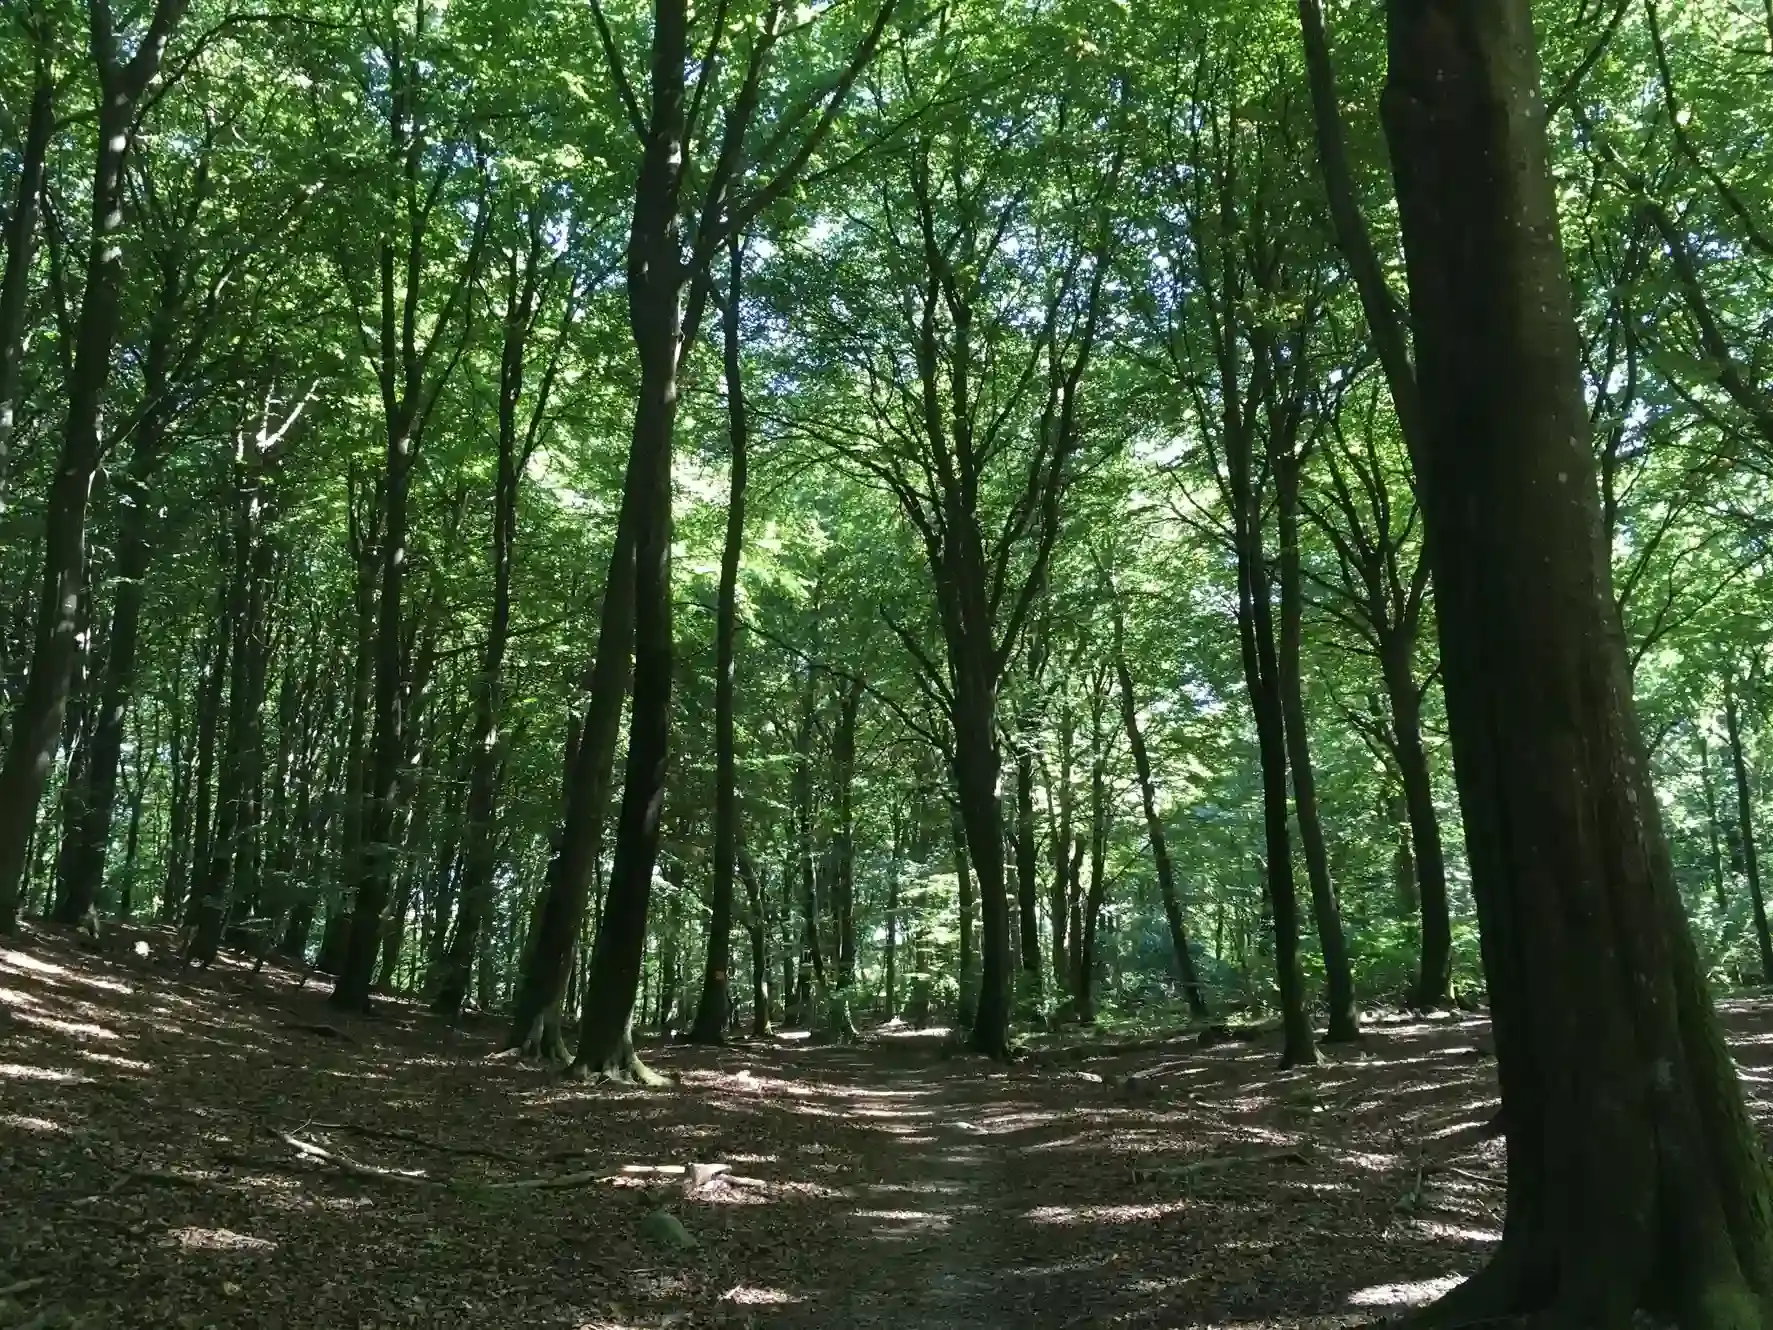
{"x":950,"y":597}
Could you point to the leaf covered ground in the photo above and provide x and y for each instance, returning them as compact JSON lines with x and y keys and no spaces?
{"x":218,"y":1149}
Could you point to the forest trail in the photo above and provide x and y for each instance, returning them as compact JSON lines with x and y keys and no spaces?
{"x":209,"y":1149}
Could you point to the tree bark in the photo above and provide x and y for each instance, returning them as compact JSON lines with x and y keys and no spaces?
{"x":21,"y":240}
{"x":1745,"y":829}
{"x":1154,"y":826}
{"x":42,"y":706}
{"x":655,"y":315}
{"x":1635,"y":1179}
{"x":712,"y":1009}
{"x":1344,"y":1025}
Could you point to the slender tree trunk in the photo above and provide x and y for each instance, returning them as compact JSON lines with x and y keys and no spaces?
{"x":840,"y":1019}
{"x":1714,"y":852}
{"x":712,"y":1009}
{"x":1434,"y":982}
{"x":1154,"y":827}
{"x":758,"y":895}
{"x":21,"y":241}
{"x":178,"y":829}
{"x":1745,"y":823}
{"x":1635,"y":1179}
{"x":655,"y":291}
{"x":209,"y":724}
{"x":1060,"y":896}
{"x":374,"y":860}
{"x":968,"y":906}
{"x":1261,"y":676}
{"x":1029,"y":996}
{"x":1344,"y":1025}
{"x":1083,"y":954}
{"x":42,"y":706}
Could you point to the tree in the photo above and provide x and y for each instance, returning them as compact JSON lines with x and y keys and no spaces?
{"x":1637,"y":1181}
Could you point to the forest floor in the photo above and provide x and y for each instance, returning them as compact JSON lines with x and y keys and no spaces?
{"x":215,"y":1149}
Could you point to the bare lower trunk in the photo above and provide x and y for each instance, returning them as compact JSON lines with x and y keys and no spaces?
{"x":1745,"y":828}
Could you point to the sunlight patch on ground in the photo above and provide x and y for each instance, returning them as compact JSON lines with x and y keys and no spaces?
{"x":1368,"y":1162}
{"x":218,"y":1239}
{"x":1102,"y":1214}
{"x":23,"y":963}
{"x":1457,"y":1233}
{"x":1466,"y":1125}
{"x":746,"y":1296}
{"x":19,"y":1071}
{"x":1405,"y":1295}
{"x":78,"y":1029}
{"x":20,"y":1122}
{"x":112,"y":1060}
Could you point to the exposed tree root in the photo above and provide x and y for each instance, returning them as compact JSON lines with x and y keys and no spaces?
{"x":1297,"y":1154}
{"x":413,"y":1138}
{"x":542,"y":1042}
{"x":624,"y":1068}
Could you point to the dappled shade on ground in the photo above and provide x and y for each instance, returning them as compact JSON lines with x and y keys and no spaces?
{"x":214,"y":1149}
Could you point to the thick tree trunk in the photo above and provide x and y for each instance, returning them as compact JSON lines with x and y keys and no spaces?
{"x":1154,"y":826}
{"x":1344,"y":1025}
{"x":712,"y":1009}
{"x":1745,"y":830}
{"x":1635,"y":1179}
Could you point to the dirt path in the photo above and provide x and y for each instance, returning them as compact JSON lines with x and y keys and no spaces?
{"x":208,"y":1150}
{"x":926,"y":1235}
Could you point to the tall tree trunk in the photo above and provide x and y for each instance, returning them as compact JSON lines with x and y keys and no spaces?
{"x":374,"y":859}
{"x":1435,"y":978}
{"x":1261,"y":678}
{"x":655,"y":282}
{"x":840,"y":1020}
{"x":1714,"y":852}
{"x":42,"y":706}
{"x":757,"y":894}
{"x":21,"y":241}
{"x":1635,"y":1179}
{"x":1154,"y":826}
{"x":1029,"y":996}
{"x":712,"y":1009}
{"x":178,"y":827}
{"x":1344,"y":1025}
{"x":209,"y":724}
{"x":1064,"y":860}
{"x":1083,"y":954}
{"x":968,"y":980}
{"x":1745,"y":824}
{"x":542,"y":986}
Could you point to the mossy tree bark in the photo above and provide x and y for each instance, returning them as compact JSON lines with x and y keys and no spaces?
{"x":1635,"y":1179}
